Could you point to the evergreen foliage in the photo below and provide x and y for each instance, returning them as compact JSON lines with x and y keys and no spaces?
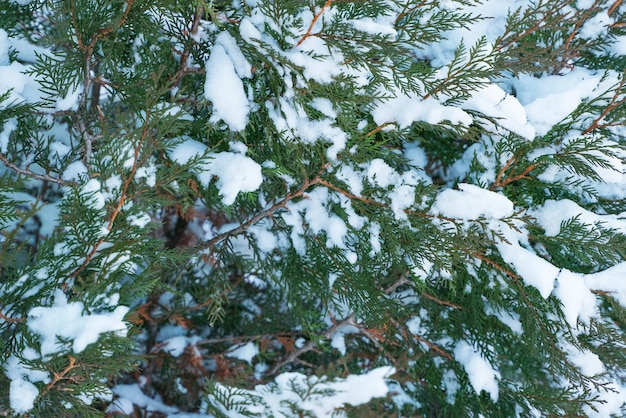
{"x":296,"y":208}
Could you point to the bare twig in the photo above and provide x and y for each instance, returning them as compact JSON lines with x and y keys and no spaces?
{"x":122,"y":199}
{"x":11,"y":319}
{"x":315,"y":18}
{"x":310,"y":345}
{"x":610,"y":107}
{"x":34,"y":175}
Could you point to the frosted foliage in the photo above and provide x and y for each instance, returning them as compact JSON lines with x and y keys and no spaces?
{"x":327,"y":150}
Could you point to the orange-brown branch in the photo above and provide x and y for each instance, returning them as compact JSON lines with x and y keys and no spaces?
{"x":122,"y":199}
{"x":613,"y":7}
{"x":440,"y":301}
{"x":501,"y":181}
{"x":314,"y":21}
{"x":11,"y":319}
{"x":611,"y":106}
{"x":62,"y":375}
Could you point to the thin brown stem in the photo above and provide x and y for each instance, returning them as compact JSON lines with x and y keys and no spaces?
{"x":614,"y":7}
{"x":62,"y":375}
{"x":610,"y":107}
{"x":310,"y":345}
{"x":501,"y":181}
{"x":121,"y":201}
{"x":34,"y":175}
{"x":314,"y":21}
{"x":10,"y":319}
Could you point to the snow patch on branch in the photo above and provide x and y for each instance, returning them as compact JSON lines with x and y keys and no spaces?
{"x":225,"y":90}
{"x":69,"y":320}
{"x":481,"y":374}
{"x":235,"y":172}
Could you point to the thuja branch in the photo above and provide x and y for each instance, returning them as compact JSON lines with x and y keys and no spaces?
{"x":309,"y":345}
{"x":122,"y":199}
{"x":315,"y":19}
{"x":34,"y":175}
{"x":63,"y":374}
{"x":501,"y":181}
{"x":614,"y":103}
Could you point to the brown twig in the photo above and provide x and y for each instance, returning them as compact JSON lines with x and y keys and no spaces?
{"x":611,"y":106}
{"x":406,"y":11}
{"x":379,"y":128}
{"x":11,"y":319}
{"x":614,"y":7}
{"x":440,"y":301}
{"x":492,"y":263}
{"x":264,"y":214}
{"x":88,"y":81}
{"x":184,"y":56}
{"x":430,"y":344}
{"x":499,"y":177}
{"x":315,"y":18}
{"x":121,"y":201}
{"x":34,"y":175}
{"x":309,"y":345}
{"x":62,"y":375}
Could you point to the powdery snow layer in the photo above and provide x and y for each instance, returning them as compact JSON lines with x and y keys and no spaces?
{"x":481,"y":375}
{"x":235,"y":172}
{"x":224,"y":89}
{"x":69,"y":320}
{"x":472,"y":202}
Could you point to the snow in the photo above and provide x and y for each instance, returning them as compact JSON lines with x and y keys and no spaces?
{"x":472,"y":202}
{"x":492,"y":101}
{"x":235,"y":172}
{"x":404,"y":110}
{"x":22,"y":391}
{"x":22,"y":395}
{"x":535,"y":271}
{"x":553,"y":213}
{"x":578,"y":301}
{"x":70,"y":102}
{"x":224,"y":88}
{"x":244,"y":352}
{"x":4,"y":48}
{"x":92,"y":191}
{"x":69,"y":320}
{"x":9,"y":126}
{"x":539,"y":95}
{"x":481,"y":375}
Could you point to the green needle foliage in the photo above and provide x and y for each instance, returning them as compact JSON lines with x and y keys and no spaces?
{"x":303,"y":208}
